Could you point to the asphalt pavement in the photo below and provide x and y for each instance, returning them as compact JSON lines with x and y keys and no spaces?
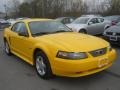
{"x":15,"y":74}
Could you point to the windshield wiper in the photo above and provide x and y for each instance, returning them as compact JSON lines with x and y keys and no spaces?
{"x":40,"y":33}
{"x":62,"y":31}
{"x":45,"y":33}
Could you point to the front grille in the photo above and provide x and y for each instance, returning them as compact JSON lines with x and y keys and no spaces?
{"x":98,"y":52}
{"x":118,"y":34}
{"x":109,"y":33}
{"x":113,"y":33}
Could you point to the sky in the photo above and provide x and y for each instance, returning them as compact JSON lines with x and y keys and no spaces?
{"x":2,"y":2}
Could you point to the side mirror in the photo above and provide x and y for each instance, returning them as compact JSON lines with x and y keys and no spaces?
{"x":90,"y":23}
{"x":23,"y":34}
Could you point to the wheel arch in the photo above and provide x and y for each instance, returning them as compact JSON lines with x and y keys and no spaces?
{"x":4,"y":38}
{"x":43,"y":50}
{"x":106,"y":27}
{"x":49,"y":72}
{"x":83,"y":29}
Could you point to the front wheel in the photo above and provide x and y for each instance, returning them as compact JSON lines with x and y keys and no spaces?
{"x":82,"y":31}
{"x":7,"y":48}
{"x":42,"y":65}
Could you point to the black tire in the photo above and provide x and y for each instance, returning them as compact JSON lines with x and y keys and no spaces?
{"x":7,"y":48}
{"x":46,"y":65}
{"x":83,"y":31}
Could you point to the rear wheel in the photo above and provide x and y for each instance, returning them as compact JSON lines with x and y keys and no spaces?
{"x":42,"y":65}
{"x":7,"y":48}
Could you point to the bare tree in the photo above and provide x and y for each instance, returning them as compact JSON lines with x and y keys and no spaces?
{"x":50,"y":8}
{"x":16,"y":4}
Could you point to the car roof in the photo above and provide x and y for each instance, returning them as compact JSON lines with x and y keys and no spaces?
{"x":113,"y":16}
{"x":60,"y":18}
{"x":33,"y":20}
{"x":92,"y":16}
{"x":64,"y":17}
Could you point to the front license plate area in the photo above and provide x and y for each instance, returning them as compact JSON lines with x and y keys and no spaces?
{"x":103,"y":62}
{"x":113,"y":38}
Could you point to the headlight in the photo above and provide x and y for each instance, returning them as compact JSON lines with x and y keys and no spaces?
{"x":109,"y":48}
{"x":71,"y":55}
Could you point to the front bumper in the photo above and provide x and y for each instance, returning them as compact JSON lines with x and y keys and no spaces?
{"x":78,"y":68}
{"x":107,"y":38}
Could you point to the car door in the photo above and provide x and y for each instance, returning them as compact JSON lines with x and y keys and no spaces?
{"x":12,"y":38}
{"x":22,"y":43}
{"x":101,"y":25}
{"x":92,"y":26}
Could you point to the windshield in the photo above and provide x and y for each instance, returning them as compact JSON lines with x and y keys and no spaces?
{"x":47,"y":27}
{"x":82,"y":20}
{"x":118,"y":24}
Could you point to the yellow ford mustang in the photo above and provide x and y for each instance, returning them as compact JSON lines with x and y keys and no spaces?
{"x":54,"y":49}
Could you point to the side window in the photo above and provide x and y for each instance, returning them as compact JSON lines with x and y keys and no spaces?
{"x":94,"y":20}
{"x":19,"y":27}
{"x":97,"y":21}
{"x":23,"y":28}
{"x":16,"y":27}
{"x":66,"y":20}
{"x":100,"y":20}
{"x":63,"y":21}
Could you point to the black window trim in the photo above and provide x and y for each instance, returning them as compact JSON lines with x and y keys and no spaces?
{"x":17,"y":23}
{"x":13,"y":26}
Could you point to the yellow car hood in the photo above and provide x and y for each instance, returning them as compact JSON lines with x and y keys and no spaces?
{"x":74,"y":41}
